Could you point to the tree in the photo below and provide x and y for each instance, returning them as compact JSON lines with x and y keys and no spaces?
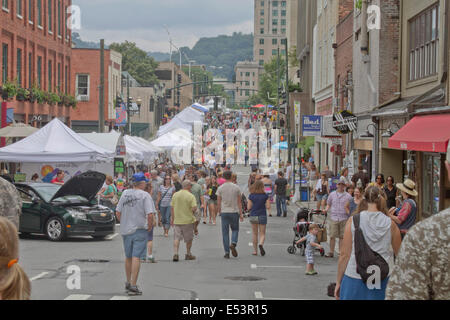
{"x":137,"y":63}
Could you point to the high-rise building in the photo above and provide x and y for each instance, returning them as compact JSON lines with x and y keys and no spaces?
{"x":270,"y":29}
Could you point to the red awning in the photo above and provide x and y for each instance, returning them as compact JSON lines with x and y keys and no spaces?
{"x":423,"y":133}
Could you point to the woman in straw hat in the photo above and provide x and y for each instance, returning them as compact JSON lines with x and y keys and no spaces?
{"x":405,"y":217}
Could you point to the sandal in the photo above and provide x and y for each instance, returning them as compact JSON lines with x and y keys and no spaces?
{"x":263,"y":253}
{"x":254,"y":253}
{"x":329,"y":255}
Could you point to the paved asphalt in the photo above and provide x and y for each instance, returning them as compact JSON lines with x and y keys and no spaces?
{"x":278,"y":275}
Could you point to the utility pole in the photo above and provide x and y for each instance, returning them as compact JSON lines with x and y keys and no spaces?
{"x":101,"y":106}
{"x":278,"y":101}
{"x":288,"y":109}
{"x":128,"y":105}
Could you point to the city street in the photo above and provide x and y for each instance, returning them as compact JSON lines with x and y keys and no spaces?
{"x":278,"y":275}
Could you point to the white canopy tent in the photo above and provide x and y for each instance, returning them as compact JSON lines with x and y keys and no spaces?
{"x":183,"y":120}
{"x":55,"y":143}
{"x":172,"y":139}
{"x":175,"y":123}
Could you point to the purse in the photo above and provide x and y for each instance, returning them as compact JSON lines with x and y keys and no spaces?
{"x":322,"y":235}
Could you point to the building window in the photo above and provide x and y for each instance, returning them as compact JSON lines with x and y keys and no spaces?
{"x":283,"y":4}
{"x":39,"y":12}
{"x":50,"y":16}
{"x":261,"y":41}
{"x":247,"y":93}
{"x":283,"y":52}
{"x":261,"y":52}
{"x":5,"y":4}
{"x":19,"y":8}
{"x":30,"y":10}
{"x":274,"y":12}
{"x":50,"y":73}
{"x":424,"y":44}
{"x":82,"y":88}
{"x":283,"y":30}
{"x":262,"y":12}
{"x":30,"y":70}
{"x":247,"y":74}
{"x":66,"y":79}
{"x":39,"y":72}
{"x":283,"y":41}
{"x":275,"y":22}
{"x":262,"y":3}
{"x":274,"y":52}
{"x":283,"y":13}
{"x":275,"y":3}
{"x":19,"y":67}
{"x":274,"y":41}
{"x":261,"y":62}
{"x":261,"y":31}
{"x":4,"y":63}
{"x":274,"y":31}
{"x":261,"y":21}
{"x":283,"y":22}
{"x":59,"y":18}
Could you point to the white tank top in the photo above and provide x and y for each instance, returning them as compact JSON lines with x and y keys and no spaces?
{"x":376,"y":228}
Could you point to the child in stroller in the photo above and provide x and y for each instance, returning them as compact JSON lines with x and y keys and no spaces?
{"x":303,"y":220}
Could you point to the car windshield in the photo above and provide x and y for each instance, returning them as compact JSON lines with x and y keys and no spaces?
{"x":47,"y":192}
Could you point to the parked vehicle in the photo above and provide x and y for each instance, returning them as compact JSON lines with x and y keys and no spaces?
{"x":63,"y":211}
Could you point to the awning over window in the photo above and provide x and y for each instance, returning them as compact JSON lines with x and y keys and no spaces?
{"x":429,"y":133}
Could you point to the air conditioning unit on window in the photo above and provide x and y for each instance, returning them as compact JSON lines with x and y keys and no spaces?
{"x":83,"y":98}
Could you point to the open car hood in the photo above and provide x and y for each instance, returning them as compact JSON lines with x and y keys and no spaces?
{"x":87,"y":185}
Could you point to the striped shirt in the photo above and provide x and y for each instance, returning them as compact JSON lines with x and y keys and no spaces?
{"x":166,"y":195}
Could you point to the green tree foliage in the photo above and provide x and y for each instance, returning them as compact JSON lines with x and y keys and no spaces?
{"x":205,"y":89}
{"x":137,"y":62}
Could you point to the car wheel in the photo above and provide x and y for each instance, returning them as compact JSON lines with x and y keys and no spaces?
{"x":54,"y":229}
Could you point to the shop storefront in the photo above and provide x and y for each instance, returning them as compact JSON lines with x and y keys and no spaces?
{"x":425,"y":139}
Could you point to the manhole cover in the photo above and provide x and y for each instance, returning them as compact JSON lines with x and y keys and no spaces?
{"x":249,"y":278}
{"x":92,"y":260}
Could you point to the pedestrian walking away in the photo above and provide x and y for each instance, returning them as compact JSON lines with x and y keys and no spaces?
{"x":280,"y":191}
{"x":229,"y":206}
{"x":10,"y":202}
{"x":164,"y":198}
{"x":369,"y":239}
{"x":259,"y":205}
{"x":135,"y":211}
{"x":182,"y":219}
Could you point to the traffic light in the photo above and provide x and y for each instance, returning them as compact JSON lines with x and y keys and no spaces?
{"x":179,"y":78}
{"x":119,"y":101}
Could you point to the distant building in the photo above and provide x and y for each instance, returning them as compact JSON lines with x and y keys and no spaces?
{"x":270,"y":29}
{"x":86,"y":77}
{"x":247,"y":80}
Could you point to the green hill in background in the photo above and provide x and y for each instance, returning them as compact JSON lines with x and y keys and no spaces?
{"x":219,"y":54}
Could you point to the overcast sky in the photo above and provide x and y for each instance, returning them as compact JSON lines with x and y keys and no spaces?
{"x":142,"y":21}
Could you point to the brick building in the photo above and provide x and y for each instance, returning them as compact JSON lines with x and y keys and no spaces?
{"x":36,"y":51}
{"x":86,"y":79}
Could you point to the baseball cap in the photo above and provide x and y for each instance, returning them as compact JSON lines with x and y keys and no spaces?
{"x":139,"y":177}
{"x":342,"y":181}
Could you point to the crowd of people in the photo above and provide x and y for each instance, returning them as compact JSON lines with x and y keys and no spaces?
{"x":372,"y":222}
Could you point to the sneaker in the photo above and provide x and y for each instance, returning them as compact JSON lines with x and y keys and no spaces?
{"x":227,"y":256}
{"x":134,"y":291}
{"x":311,"y":273}
{"x":190,"y":257}
{"x":127,"y":286}
{"x":233,"y":250}
{"x":151,"y":259}
{"x":175,"y":258}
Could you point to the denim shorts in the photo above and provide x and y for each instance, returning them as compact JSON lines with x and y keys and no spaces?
{"x":135,"y":244}
{"x":320,"y":197}
{"x":150,"y":235}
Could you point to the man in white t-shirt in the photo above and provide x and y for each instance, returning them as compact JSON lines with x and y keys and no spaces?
{"x":135,"y":211}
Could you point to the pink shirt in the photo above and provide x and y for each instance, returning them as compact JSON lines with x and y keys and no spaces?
{"x":221,"y":181}
{"x":337,"y":202}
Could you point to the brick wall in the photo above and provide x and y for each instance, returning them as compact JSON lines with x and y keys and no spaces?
{"x":343,"y":56}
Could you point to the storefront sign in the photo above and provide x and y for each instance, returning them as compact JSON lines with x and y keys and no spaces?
{"x":312,"y":126}
{"x":345,"y":122}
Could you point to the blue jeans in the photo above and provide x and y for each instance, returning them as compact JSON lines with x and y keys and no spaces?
{"x":165,"y":216}
{"x":281,"y":205}
{"x":229,"y":220}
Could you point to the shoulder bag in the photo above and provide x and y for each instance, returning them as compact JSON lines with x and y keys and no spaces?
{"x":365,"y":256}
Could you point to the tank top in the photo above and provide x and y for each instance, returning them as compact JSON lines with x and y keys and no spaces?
{"x":376,"y":228}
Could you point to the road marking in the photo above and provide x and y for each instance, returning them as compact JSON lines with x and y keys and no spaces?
{"x":41,"y":275}
{"x":254,"y":266}
{"x":258,"y":295}
{"x":112,"y":236}
{"x":120,"y":298}
{"x":78,"y":297}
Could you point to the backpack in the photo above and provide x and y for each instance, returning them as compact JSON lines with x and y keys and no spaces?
{"x":365,"y":256}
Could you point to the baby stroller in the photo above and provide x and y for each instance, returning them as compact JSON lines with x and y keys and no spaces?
{"x":304,"y":219}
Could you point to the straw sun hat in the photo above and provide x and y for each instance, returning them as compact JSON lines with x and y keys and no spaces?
{"x":408,"y":186}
